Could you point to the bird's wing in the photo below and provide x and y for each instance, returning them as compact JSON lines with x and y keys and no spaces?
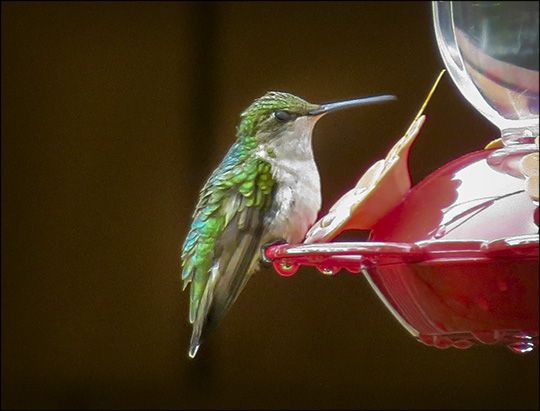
{"x":222,"y":248}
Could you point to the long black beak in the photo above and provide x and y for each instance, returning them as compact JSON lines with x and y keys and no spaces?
{"x":338,"y":105}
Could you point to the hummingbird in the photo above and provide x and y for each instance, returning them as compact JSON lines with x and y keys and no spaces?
{"x":266,"y":190}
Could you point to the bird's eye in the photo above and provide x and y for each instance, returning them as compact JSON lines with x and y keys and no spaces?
{"x":284,"y":116}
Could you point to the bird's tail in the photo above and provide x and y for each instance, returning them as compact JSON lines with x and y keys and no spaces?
{"x":194,"y":345}
{"x":202,"y":311}
{"x":227,"y":279}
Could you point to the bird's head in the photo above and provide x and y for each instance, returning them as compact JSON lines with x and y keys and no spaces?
{"x":279,"y":113}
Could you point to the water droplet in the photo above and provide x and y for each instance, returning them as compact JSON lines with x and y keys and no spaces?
{"x":522,"y":347}
{"x":441,"y":231}
{"x":496,"y":157}
{"x":327,"y":220}
{"x":327,"y":271}
{"x":483,"y":303}
{"x":285,"y":269}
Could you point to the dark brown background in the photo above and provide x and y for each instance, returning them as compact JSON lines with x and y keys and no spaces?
{"x":114,"y":114}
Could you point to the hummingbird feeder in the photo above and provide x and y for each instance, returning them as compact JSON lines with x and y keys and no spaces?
{"x":454,"y":258}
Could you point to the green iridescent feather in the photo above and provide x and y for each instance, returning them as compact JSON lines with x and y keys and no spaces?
{"x":247,"y":182}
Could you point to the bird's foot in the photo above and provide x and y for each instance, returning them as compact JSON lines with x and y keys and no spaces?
{"x":264,"y":257}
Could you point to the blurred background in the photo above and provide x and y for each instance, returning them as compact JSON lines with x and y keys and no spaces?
{"x":113,"y":116}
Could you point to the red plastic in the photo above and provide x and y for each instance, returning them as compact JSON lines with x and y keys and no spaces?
{"x":456,"y":261}
{"x":477,"y":196}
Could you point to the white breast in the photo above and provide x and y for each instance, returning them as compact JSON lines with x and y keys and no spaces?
{"x":298,"y":196}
